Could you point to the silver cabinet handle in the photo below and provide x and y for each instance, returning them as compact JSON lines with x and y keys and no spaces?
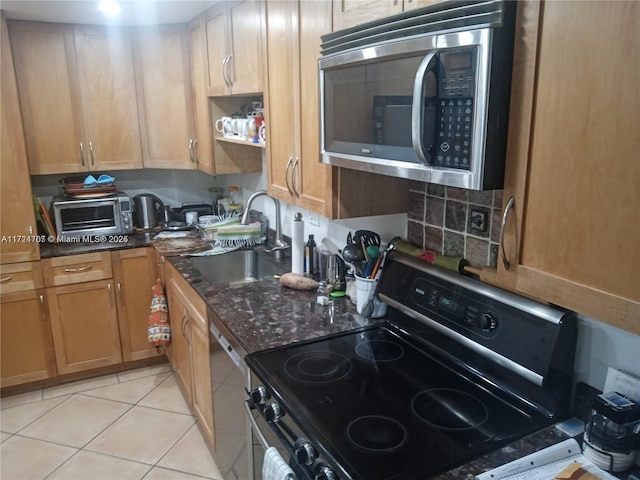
{"x":286,"y":176}
{"x":191,"y":150}
{"x":110,"y":296}
{"x":93,"y":163}
{"x":293,"y":176}
{"x":30,"y":230}
{"x":6,"y":279}
{"x":82,"y":153}
{"x":77,"y":270}
{"x":229,"y":70}
{"x":225,"y":61}
{"x":505,"y":260}
{"x":44,"y":310}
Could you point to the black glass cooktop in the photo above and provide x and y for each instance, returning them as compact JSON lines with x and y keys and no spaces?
{"x":381,"y":408}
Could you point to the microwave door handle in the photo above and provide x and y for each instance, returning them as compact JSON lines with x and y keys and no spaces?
{"x":426,"y":65}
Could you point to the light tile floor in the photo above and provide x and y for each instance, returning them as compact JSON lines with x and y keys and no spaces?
{"x":127,"y":426}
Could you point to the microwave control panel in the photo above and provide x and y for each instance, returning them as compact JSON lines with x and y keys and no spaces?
{"x":455,"y":110}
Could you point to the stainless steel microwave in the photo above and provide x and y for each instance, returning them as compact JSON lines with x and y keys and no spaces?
{"x":109,"y":215}
{"x":423,"y":95}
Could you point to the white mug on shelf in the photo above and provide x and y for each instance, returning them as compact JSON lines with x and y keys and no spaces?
{"x":224,"y":125}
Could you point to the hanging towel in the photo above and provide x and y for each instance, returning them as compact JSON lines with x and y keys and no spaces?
{"x":159,"y":329}
{"x":274,"y":466}
{"x":239,"y":235}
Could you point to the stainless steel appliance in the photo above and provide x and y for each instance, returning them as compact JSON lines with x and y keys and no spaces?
{"x":107,"y":215}
{"x":148,"y":211}
{"x":422,"y":95}
{"x":458,"y":368}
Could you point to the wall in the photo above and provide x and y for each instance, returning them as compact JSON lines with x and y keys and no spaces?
{"x":440,"y":219}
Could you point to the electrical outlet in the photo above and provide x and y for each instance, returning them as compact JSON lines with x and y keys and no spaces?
{"x":478,"y":221}
{"x":314,"y":219}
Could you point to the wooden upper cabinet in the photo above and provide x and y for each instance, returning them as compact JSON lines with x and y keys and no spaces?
{"x":573,"y":173}
{"x":234,"y":47}
{"x":109,"y":99}
{"x":295,"y":173}
{"x":46,"y":70}
{"x":164,"y":95}
{"x":202,"y":149}
{"x":347,"y":13}
{"x":17,"y":217}
{"x":77,"y":91}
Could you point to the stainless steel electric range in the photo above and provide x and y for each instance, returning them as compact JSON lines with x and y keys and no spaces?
{"x":458,"y":368}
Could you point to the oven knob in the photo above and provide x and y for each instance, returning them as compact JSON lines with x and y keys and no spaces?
{"x":326,"y":473}
{"x":260,"y":395}
{"x":487,"y":322}
{"x":273,"y":412}
{"x":305,"y":453}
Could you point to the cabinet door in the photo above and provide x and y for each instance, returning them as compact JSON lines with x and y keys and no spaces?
{"x":347,"y":13}
{"x":202,"y":389}
{"x":573,"y":167}
{"x":245,"y":64}
{"x":164,"y":93}
{"x":411,"y":4}
{"x":134,"y":275}
{"x":281,"y":98}
{"x":45,"y":60}
{"x":312,"y":178}
{"x":25,"y":333}
{"x":17,"y":217}
{"x":84,"y":322}
{"x":202,"y":150}
{"x":179,"y":350}
{"x":109,"y":100}
{"x":216,"y":32}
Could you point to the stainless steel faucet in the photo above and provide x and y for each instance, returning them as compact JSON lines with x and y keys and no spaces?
{"x":279,"y":245}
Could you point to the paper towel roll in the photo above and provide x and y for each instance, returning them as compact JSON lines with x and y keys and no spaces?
{"x":297,"y":244}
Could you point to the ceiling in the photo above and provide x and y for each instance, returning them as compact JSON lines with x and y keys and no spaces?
{"x":134,"y":12}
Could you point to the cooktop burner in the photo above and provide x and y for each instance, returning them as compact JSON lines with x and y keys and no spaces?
{"x":379,"y":351}
{"x":458,"y":368}
{"x":449,"y":409}
{"x":317,"y":366}
{"x":377,"y":434}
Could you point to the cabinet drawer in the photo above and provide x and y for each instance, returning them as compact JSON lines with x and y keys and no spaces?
{"x":19,"y":277}
{"x":76,"y":269}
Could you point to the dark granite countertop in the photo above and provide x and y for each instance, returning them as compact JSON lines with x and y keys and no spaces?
{"x":114,"y":242}
{"x":264,"y":314}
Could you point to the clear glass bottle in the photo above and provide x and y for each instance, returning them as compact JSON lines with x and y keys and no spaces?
{"x":322,"y":295}
{"x":234,"y":195}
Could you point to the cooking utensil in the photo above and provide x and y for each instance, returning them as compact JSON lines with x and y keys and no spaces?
{"x":352,"y":253}
{"x":366,"y":236}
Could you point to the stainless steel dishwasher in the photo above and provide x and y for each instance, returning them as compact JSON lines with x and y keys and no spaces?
{"x":228,"y":381}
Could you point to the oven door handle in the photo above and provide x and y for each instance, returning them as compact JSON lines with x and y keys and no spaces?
{"x":255,"y":427}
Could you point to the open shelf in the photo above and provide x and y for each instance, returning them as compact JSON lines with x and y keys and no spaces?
{"x":240,"y":142}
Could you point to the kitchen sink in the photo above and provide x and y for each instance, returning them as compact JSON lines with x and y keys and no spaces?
{"x":236,"y":268}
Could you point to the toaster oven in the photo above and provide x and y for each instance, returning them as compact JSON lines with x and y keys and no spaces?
{"x":110,"y":215}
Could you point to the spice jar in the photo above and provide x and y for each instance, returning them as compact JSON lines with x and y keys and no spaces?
{"x":322,"y":295}
{"x":234,"y":195}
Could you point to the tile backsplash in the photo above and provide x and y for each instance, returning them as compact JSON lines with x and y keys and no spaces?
{"x":455,"y":222}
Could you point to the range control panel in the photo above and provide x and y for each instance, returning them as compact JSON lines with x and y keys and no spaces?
{"x":455,"y":306}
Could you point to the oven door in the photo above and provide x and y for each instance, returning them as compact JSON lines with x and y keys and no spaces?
{"x":270,"y":426}
{"x":87,"y":217}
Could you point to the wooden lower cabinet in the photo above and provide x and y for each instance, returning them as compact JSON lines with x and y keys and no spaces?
{"x":189,"y":350}
{"x":134,"y":275}
{"x":26,"y":348}
{"x":84,"y":322}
